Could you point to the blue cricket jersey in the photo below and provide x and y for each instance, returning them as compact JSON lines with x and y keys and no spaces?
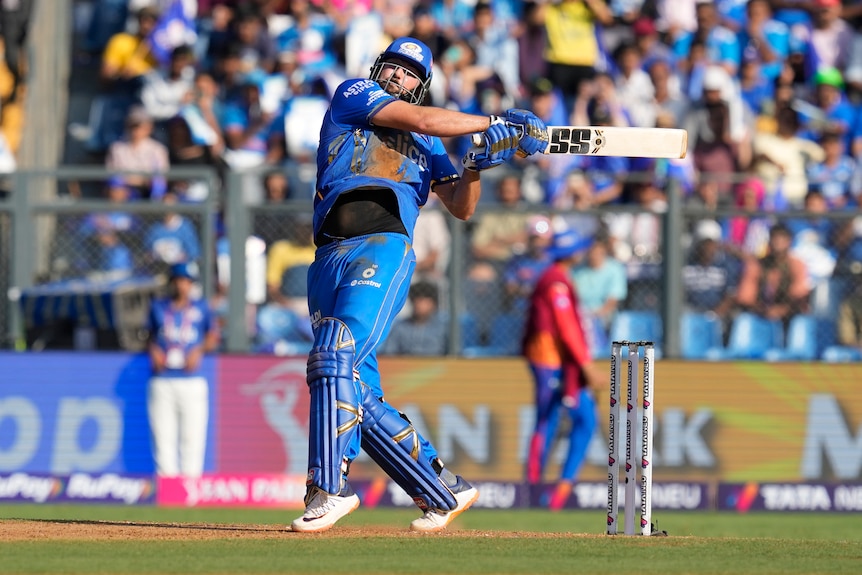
{"x":354,"y":154}
{"x":183,"y":329}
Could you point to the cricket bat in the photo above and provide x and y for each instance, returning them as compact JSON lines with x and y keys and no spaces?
{"x":613,"y":141}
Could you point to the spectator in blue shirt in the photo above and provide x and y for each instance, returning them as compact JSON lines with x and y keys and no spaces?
{"x":250,"y":132}
{"x":711,"y":274}
{"x":756,"y":90}
{"x":523,"y":270}
{"x":813,"y":238}
{"x":764,"y":39}
{"x":311,"y":36}
{"x":602,"y":286}
{"x":722,"y":47}
{"x":831,"y":110}
{"x":834,"y":177}
{"x":173,"y":239}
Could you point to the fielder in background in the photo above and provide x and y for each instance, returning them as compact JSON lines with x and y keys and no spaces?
{"x":182,"y":329}
{"x":380,"y":155}
{"x":558,"y":354}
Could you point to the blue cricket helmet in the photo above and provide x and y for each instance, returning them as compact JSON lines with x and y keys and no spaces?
{"x":188,"y":270}
{"x":567,"y":243}
{"x":415,"y":54}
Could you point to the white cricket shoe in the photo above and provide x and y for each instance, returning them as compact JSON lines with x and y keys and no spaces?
{"x":437,"y":520}
{"x":323,"y":510}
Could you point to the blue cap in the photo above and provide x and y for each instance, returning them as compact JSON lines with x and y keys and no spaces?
{"x":567,"y":243}
{"x":255,"y":77}
{"x":412,"y":50}
{"x":188,"y":270}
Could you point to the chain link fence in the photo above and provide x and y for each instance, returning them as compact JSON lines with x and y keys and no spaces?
{"x":702,"y":284}
{"x":117,"y":244}
{"x":5,"y":264}
{"x":82,"y":271}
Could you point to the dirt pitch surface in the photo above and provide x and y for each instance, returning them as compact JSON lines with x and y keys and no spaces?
{"x":71,"y":530}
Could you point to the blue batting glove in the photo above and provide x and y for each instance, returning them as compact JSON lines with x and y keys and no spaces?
{"x":500,"y":144}
{"x":534,"y":133}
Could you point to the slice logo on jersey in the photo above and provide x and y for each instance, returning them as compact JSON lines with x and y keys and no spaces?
{"x":412,"y":50}
{"x":404,"y":144}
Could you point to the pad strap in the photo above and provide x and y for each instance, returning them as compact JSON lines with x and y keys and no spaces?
{"x":334,"y":414}
{"x":393,"y":443}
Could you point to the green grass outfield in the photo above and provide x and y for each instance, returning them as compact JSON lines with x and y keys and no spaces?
{"x":479,"y":542}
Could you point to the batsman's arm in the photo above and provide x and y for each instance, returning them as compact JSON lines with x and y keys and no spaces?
{"x":429,"y":120}
{"x":501,"y":142}
{"x":461,"y":197}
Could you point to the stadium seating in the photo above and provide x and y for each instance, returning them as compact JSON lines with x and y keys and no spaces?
{"x":638,"y":325}
{"x":841,"y":354}
{"x":699,"y":332}
{"x":504,"y":337}
{"x":800,"y":342}
{"x":469,"y":331}
{"x":750,"y":338}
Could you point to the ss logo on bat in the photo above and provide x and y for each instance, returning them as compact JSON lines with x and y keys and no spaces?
{"x":570,"y":141}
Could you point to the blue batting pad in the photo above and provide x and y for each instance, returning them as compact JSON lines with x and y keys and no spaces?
{"x":396,"y":447}
{"x":334,"y":413}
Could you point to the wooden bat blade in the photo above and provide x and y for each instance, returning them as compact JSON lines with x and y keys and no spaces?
{"x":615,"y":141}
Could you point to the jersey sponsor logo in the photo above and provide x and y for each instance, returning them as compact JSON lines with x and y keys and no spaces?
{"x":376,"y":95}
{"x":315,"y":318}
{"x":181,"y":334}
{"x":358,"y":87}
{"x":366,"y":280}
{"x":404,"y":144}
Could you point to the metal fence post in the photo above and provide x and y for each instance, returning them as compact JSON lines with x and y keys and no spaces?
{"x":23,"y":253}
{"x":208,"y":239}
{"x":457,"y":269}
{"x":672,"y":273}
{"x":238,"y":226}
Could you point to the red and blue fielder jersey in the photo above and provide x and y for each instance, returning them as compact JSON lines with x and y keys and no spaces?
{"x":554,"y":336}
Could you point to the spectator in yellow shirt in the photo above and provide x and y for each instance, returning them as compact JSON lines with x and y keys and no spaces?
{"x":127,"y":57}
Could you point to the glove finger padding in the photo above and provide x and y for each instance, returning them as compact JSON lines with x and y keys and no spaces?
{"x":534,"y":133}
{"x":501,"y":143}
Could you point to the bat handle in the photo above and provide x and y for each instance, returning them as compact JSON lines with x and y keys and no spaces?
{"x":478,"y":141}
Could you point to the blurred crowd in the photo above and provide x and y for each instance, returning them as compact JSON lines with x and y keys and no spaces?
{"x":770,"y":92}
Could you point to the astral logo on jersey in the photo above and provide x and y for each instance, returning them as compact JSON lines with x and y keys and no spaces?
{"x":358,"y":87}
